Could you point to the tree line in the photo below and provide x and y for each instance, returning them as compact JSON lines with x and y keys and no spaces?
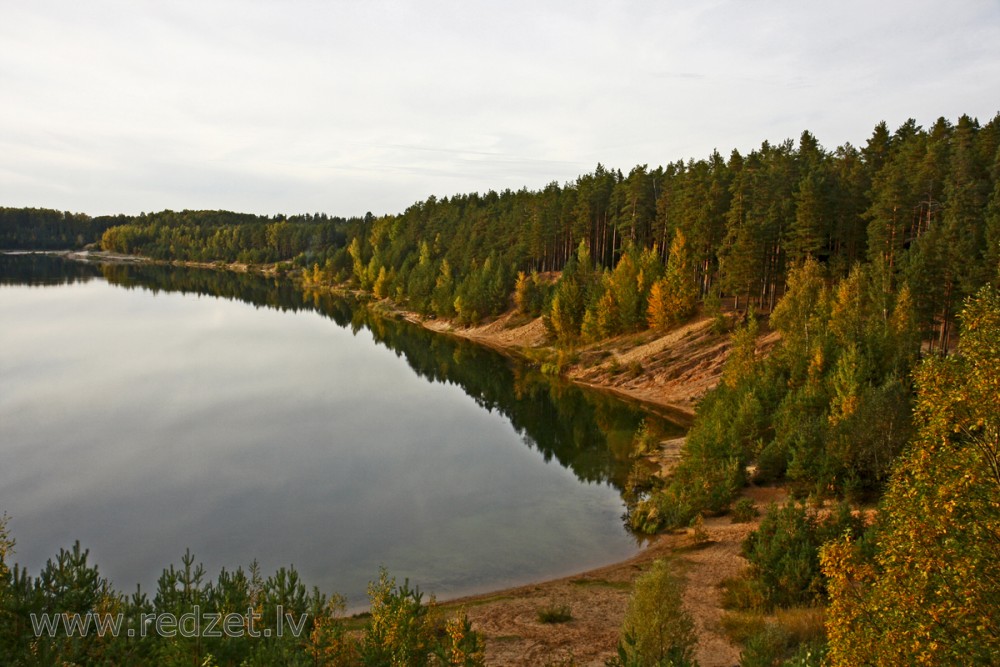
{"x":46,"y":229}
{"x":921,"y":202}
{"x":207,"y":236}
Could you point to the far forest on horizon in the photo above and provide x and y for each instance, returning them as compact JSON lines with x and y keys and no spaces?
{"x":922,"y":206}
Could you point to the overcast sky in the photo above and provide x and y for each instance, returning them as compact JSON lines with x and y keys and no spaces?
{"x":346,"y":107}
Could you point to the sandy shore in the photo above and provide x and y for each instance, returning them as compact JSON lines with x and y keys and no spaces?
{"x":597,"y":600}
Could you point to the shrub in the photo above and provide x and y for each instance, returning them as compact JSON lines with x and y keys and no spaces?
{"x":646,"y":440}
{"x":742,"y":593}
{"x":560,"y":614}
{"x":791,"y":637}
{"x":399,"y":631}
{"x":784,"y":552}
{"x":402,"y":630}
{"x":664,"y":509}
{"x":766,"y":648}
{"x":744,"y":511}
{"x":698,"y":533}
{"x":657,"y":630}
{"x":461,"y":646}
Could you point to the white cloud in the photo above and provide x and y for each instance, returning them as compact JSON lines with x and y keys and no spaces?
{"x":353,"y":106}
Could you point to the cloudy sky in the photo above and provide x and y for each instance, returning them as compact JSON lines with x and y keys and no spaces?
{"x":348,"y":106}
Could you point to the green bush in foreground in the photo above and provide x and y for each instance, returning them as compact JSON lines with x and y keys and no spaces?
{"x":784,"y":556}
{"x":657,"y":631}
{"x":744,"y":511}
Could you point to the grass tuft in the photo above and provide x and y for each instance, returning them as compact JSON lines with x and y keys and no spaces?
{"x":560,"y":614}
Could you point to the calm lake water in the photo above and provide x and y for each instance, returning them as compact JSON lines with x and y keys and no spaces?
{"x":146,"y":410}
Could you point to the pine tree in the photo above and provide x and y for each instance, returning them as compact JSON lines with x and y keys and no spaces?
{"x":895,"y":197}
{"x":849,"y":184}
{"x":381,"y":287}
{"x":605,"y":314}
{"x":624,"y":288}
{"x":741,"y":364}
{"x":571,"y":296}
{"x":566,"y":311}
{"x":991,"y":254}
{"x":358,"y":264}
{"x":810,"y":230}
{"x":524,"y":293}
{"x":650,"y":270}
{"x":876,"y":150}
{"x":444,"y":291}
{"x":743,"y":254}
{"x":657,"y":630}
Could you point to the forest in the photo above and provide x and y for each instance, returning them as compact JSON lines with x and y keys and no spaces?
{"x":873,"y":263}
{"x":922,"y":204}
{"x":46,"y":229}
{"x":919,"y":205}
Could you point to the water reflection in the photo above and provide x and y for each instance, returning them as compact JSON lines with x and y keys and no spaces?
{"x":273,"y":425}
{"x":589,"y":432}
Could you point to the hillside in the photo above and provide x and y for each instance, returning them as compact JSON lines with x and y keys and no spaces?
{"x":670,"y":369}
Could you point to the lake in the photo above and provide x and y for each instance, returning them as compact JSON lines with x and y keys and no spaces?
{"x":147,"y":410}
